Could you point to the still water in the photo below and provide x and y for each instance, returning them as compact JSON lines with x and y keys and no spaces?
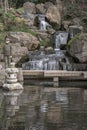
{"x":41,"y":108}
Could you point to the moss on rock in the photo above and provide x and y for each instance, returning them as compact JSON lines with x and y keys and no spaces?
{"x":73,"y":39}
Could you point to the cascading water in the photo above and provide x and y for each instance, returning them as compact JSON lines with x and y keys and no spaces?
{"x":39,"y":60}
{"x":42,"y":23}
{"x":60,"y":39}
{"x":58,"y":59}
{"x":44,"y":62}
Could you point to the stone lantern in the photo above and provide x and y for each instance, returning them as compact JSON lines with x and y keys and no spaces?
{"x":11,"y":78}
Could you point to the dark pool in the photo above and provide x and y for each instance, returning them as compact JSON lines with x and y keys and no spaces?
{"x":42,"y":108}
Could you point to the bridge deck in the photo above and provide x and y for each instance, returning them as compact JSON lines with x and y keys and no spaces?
{"x":62,"y":73}
{"x":33,"y":73}
{"x":55,"y":74}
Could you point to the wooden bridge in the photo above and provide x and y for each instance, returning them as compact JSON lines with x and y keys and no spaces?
{"x":55,"y":74}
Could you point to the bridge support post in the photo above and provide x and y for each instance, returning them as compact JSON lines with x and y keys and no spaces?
{"x":56,"y":81}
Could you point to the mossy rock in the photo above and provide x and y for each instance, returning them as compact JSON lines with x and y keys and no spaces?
{"x":73,"y":39}
{"x":55,"y":26}
{"x":45,"y":42}
{"x":78,"y":37}
{"x":18,"y":20}
{"x":2,"y":40}
{"x":77,"y":47}
{"x":22,"y":60}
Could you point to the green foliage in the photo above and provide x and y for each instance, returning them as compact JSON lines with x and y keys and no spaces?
{"x":18,"y":20}
{"x":42,"y":43}
{"x":73,"y":39}
{"x":21,"y":28}
{"x":55,"y":26}
{"x":13,"y":23}
{"x":9,"y":15}
{"x":1,"y":27}
{"x":20,"y":10}
{"x":45,"y":42}
{"x":2,"y":39}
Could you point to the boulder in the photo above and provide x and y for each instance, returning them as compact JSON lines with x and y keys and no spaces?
{"x":18,"y":52}
{"x":58,"y":4}
{"x":76,"y":21}
{"x":77,"y":47}
{"x":42,"y":35}
{"x":54,"y":17}
{"x":29,"y":19}
{"x":47,"y":5}
{"x":29,"y":7}
{"x":24,"y":39}
{"x":75,"y":29}
{"x":49,"y":49}
{"x":66,"y":24}
{"x":50,"y":31}
{"x":40,"y":9}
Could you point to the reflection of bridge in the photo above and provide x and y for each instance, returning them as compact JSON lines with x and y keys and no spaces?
{"x":55,"y":75}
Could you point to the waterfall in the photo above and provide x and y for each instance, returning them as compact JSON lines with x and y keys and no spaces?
{"x":52,"y":64}
{"x":42,"y":23}
{"x":60,"y":39}
{"x":42,"y":61}
{"x":39,"y":60}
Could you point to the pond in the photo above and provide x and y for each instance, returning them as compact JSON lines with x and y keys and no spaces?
{"x":44,"y":108}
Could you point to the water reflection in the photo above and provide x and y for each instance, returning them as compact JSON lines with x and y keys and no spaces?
{"x":8,"y":108}
{"x":38,"y":108}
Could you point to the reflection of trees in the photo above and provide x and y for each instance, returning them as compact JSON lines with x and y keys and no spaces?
{"x":1,"y":114}
{"x":40,"y":115}
{"x":45,"y":109}
{"x":74,"y":112}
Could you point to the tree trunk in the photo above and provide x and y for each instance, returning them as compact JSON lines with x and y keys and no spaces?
{"x":1,"y":4}
{"x":6,"y":5}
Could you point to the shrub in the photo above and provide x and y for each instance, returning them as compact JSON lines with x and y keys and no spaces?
{"x":1,"y":27}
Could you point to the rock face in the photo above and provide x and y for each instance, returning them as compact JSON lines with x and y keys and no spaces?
{"x":40,"y":9}
{"x":78,"y":47}
{"x":58,"y":4}
{"x":29,"y":7}
{"x":20,"y":44}
{"x":74,"y":29}
{"x":43,"y":35}
{"x":55,"y":9}
{"x":18,"y":52}
{"x":2,"y":75}
{"x":53,"y":15}
{"x":24,"y":39}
